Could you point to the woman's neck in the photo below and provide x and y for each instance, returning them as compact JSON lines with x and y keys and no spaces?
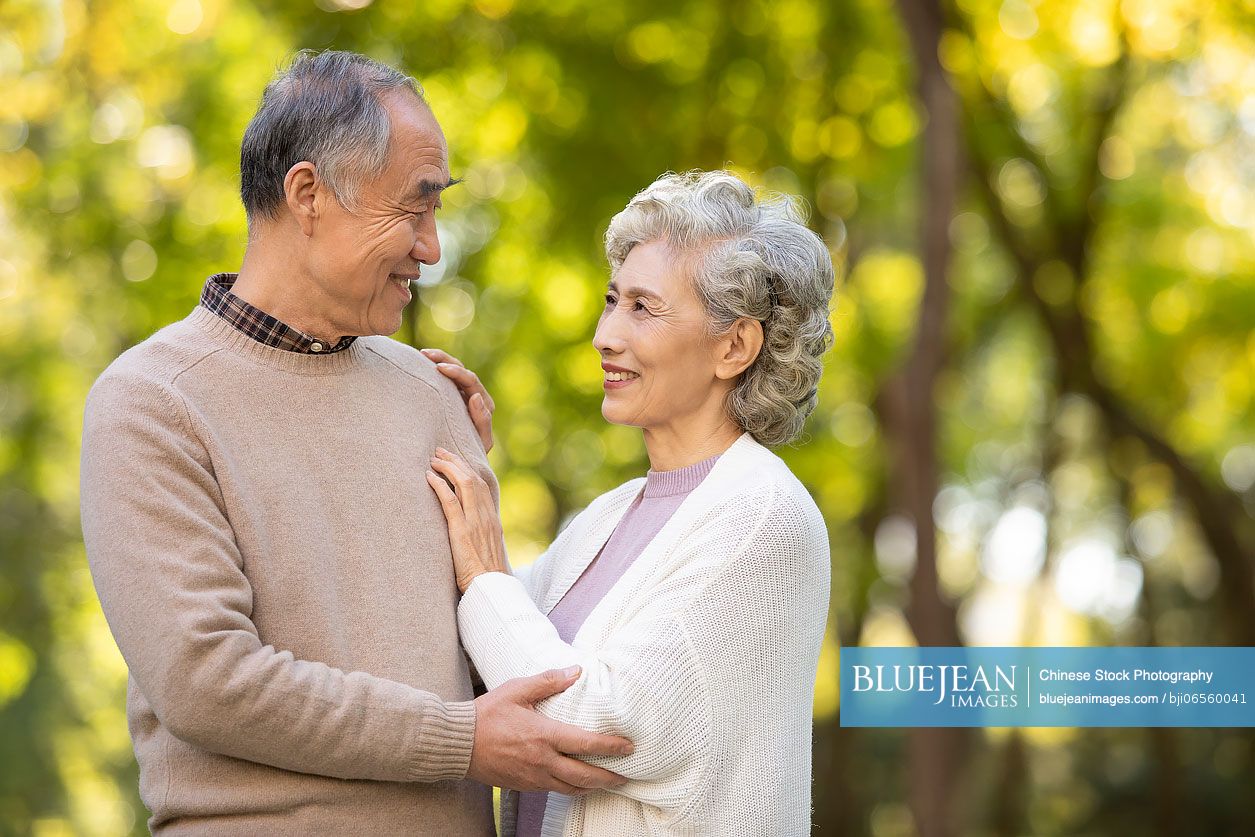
{"x":671,"y":448}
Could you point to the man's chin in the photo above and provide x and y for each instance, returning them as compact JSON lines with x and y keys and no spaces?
{"x":391,"y":326}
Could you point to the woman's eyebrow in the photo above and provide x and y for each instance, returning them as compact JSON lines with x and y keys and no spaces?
{"x":635,"y":291}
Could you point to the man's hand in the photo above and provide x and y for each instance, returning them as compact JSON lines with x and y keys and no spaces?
{"x":517,"y":747}
{"x":479,"y":403}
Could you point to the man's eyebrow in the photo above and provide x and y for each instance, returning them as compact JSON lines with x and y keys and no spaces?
{"x":428,"y":188}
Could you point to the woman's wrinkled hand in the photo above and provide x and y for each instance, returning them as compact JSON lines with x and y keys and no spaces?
{"x":479,"y":403}
{"x":474,"y":527}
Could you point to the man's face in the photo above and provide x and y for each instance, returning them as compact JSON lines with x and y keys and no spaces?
{"x":362,"y":261}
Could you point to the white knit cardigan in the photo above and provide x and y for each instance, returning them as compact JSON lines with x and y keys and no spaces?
{"x":703,"y":654}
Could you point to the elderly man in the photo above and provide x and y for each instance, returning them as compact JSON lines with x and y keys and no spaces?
{"x":269,"y":557}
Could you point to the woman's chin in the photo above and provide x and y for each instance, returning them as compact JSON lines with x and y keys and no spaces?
{"x":615,"y":414}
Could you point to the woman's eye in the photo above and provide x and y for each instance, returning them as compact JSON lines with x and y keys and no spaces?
{"x":640,"y":306}
{"x":610,"y":300}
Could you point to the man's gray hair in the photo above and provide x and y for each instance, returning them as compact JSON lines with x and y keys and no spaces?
{"x":324,"y":108}
{"x":748,"y":256}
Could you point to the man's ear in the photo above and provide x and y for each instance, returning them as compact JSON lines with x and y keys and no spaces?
{"x":738,"y":348}
{"x":301,"y":186}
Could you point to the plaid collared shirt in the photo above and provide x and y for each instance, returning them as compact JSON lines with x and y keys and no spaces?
{"x":259,"y":325}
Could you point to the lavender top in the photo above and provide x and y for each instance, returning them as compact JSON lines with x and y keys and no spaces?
{"x":649,"y":512}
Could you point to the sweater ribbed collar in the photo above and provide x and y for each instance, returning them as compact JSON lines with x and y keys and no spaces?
{"x":257,"y":324}
{"x":232,"y":339}
{"x":679,"y":481}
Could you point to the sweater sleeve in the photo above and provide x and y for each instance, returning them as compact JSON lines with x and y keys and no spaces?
{"x":171,"y":581}
{"x":654,"y":680}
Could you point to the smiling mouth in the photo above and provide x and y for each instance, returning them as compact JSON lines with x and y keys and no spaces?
{"x":621,"y":376}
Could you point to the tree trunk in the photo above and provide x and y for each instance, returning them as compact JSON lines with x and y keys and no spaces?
{"x":936,"y":755}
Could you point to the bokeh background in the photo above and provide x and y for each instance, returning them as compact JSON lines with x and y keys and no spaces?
{"x":1036,"y":426}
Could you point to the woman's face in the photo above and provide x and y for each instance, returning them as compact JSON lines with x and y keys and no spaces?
{"x":658,"y":362}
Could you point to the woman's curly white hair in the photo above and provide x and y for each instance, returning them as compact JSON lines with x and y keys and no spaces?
{"x":749,"y":256}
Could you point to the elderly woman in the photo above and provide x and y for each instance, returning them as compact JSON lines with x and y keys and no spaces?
{"x":693,"y":600}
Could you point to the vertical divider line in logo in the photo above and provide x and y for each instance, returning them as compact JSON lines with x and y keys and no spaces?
{"x":1030,"y":685}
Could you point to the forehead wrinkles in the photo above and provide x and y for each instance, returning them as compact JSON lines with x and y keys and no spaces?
{"x":417,"y":159}
{"x":403,"y":179}
{"x":417,"y":122}
{"x":415,"y":139}
{"x":663,"y":272}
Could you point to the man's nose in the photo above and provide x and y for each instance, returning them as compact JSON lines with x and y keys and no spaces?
{"x":426,"y":249}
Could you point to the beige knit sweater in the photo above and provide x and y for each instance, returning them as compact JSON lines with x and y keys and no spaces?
{"x":276,"y":573}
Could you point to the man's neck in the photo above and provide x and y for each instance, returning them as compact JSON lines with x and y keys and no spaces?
{"x":267,"y":282}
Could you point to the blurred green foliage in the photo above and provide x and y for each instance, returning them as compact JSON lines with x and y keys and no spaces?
{"x":119,"y":129}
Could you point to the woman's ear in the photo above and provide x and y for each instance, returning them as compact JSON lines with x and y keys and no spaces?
{"x":300,"y":188}
{"x":738,"y":348}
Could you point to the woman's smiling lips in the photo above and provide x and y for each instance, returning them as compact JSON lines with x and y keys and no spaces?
{"x":617,"y":377}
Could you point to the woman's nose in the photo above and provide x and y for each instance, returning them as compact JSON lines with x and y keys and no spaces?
{"x":608,"y":337}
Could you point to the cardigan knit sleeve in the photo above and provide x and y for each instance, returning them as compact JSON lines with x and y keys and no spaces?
{"x":171,"y":581}
{"x":696,"y":652}
{"x":640,"y":687}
